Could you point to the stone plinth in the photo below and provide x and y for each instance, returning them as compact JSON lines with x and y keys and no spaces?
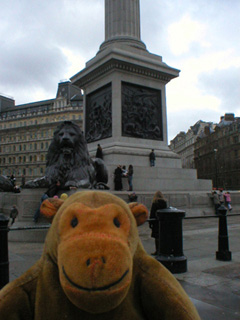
{"x":194,"y":203}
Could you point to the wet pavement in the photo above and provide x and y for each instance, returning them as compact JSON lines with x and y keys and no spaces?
{"x":213,"y":286}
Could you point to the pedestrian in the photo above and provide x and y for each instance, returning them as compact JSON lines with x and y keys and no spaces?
{"x":23,"y":181}
{"x":132,"y":197}
{"x":13,"y":214}
{"x":53,"y":189}
{"x":158,"y":202}
{"x":13,"y":180}
{"x":37,"y":212}
{"x":152,"y":158}
{"x":228,"y":200}
{"x":118,"y":178}
{"x":99,"y":153}
{"x":221,"y":196}
{"x":130,"y":177}
{"x":216,"y":201}
{"x":124,"y":172}
{"x":16,"y":189}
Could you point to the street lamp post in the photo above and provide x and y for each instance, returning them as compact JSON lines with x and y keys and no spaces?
{"x":216,"y":166}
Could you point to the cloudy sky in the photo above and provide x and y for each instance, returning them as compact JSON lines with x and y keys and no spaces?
{"x":43,"y":42}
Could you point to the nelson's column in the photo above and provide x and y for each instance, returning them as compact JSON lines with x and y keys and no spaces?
{"x":125,"y":104}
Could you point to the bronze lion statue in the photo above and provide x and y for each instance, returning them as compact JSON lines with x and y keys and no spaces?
{"x":68,"y":162}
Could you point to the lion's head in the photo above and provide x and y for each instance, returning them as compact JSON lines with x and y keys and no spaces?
{"x":67,"y":153}
{"x":67,"y":136}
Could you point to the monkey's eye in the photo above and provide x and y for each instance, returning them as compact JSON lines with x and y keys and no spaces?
{"x":116,"y":222}
{"x":74,"y":222}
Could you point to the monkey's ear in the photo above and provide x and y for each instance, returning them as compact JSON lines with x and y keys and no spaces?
{"x":139,"y":211}
{"x":49,"y":207}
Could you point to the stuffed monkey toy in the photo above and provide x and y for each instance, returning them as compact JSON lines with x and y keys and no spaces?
{"x":94,"y":267}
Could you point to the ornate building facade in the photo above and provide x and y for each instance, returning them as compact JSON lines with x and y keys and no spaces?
{"x":26,"y":130}
{"x":183,"y":143}
{"x":217,"y":154}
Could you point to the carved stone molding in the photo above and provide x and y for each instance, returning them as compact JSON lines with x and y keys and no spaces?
{"x":114,"y":64}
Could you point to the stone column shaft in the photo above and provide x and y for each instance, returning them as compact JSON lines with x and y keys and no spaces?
{"x":122,"y":19}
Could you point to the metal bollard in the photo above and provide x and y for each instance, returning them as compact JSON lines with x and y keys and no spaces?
{"x":223,"y":252}
{"x":4,"y":263}
{"x":171,"y":240}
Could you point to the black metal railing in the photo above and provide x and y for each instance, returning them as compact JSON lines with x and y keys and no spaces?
{"x":170,"y":242}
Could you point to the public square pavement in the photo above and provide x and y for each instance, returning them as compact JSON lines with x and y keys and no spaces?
{"x":213,"y":286}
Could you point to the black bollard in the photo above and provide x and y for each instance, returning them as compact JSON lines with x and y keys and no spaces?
{"x":223,"y":252}
{"x":4,"y":263}
{"x":171,"y":240}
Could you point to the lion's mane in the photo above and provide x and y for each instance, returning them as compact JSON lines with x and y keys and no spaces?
{"x":70,"y":161}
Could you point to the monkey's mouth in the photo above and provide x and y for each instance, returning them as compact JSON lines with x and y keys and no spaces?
{"x":95,"y":288}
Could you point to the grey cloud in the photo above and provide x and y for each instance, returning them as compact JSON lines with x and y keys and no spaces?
{"x":224,"y":84}
{"x":30,"y":63}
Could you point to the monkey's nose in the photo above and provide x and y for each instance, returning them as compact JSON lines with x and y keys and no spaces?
{"x":91,"y":261}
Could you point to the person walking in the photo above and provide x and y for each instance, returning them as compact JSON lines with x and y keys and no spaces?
{"x":130,"y":177}
{"x":216,"y":201}
{"x":158,"y":202}
{"x":99,"y":153}
{"x":221,"y":196}
{"x":152,"y":158}
{"x":13,"y":214}
{"x":228,"y":200}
